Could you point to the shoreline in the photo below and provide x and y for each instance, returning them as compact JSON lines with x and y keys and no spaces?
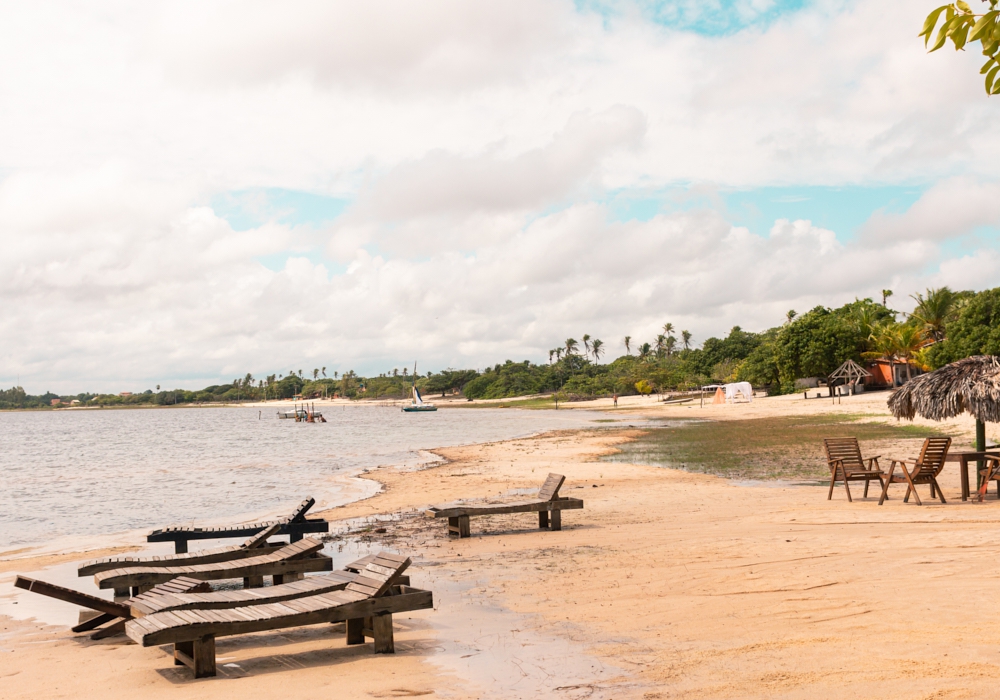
{"x":668,"y":584}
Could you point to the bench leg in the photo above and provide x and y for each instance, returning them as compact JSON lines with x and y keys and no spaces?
{"x":543,"y":519}
{"x":382,"y":629}
{"x":180,"y":546}
{"x":121,"y":594}
{"x":253,"y":582}
{"x":557,"y":520}
{"x":459,"y":525}
{"x":182,"y":650}
{"x":356,"y":631}
{"x":294,"y":537}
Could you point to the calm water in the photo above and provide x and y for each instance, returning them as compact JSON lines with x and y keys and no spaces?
{"x":69,"y":473}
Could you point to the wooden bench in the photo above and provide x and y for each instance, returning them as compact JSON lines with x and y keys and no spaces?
{"x":366,"y":605}
{"x":254,"y":546}
{"x":549,"y":506}
{"x":289,"y":562}
{"x":295,"y":527}
{"x":113,"y":612}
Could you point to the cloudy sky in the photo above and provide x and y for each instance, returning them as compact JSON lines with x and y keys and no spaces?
{"x":190,"y":191}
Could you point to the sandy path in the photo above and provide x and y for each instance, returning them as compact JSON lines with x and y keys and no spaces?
{"x":668,"y":584}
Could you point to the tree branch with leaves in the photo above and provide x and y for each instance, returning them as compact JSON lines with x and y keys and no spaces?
{"x":963,"y":26}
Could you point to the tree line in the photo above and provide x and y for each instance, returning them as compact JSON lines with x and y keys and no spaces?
{"x":944,"y":326}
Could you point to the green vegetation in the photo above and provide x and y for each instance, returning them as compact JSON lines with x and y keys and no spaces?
{"x":962,"y":26}
{"x":945,"y":326}
{"x":761,"y":448}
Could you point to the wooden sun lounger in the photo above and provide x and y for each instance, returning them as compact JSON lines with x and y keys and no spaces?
{"x":295,"y":527}
{"x":289,"y":562}
{"x":116,"y":613}
{"x":155,"y":601}
{"x":374,"y":594}
{"x":548,"y":505}
{"x":254,"y":546}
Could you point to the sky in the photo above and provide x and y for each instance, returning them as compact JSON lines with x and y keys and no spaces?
{"x":190,"y":191}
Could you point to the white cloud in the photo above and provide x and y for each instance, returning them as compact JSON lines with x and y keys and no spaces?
{"x":479,"y":144}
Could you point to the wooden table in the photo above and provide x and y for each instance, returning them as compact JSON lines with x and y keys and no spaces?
{"x":963,"y":458}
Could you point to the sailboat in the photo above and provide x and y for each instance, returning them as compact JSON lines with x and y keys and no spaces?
{"x":417,"y":405}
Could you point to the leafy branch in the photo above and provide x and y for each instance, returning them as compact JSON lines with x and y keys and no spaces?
{"x":963,"y":26}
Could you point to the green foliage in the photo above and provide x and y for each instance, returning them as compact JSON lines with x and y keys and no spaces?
{"x":961,"y":25}
{"x":975,"y":330}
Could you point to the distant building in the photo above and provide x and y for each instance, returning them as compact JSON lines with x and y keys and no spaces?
{"x":125,"y":393}
{"x":882,"y":372}
{"x":55,"y":402}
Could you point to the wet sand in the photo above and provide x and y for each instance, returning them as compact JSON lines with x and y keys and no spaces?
{"x":668,"y":584}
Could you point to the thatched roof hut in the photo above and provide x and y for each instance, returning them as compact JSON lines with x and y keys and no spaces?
{"x":969,"y":386}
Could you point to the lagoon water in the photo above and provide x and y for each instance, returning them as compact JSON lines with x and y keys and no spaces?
{"x":97,"y":472}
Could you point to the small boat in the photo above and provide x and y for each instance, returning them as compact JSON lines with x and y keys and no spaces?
{"x":303,"y":414}
{"x":418,"y":405}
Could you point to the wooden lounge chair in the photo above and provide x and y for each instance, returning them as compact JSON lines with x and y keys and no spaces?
{"x":157,"y":601}
{"x":374,"y":595}
{"x":289,"y":562}
{"x":295,"y":527}
{"x":925,"y":470}
{"x":991,"y":472}
{"x":843,"y":456}
{"x":113,"y":612}
{"x":254,"y":546}
{"x":548,"y":505}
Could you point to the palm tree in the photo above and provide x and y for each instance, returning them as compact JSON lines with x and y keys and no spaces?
{"x":669,"y":345}
{"x":907,"y":340}
{"x":559,"y":352}
{"x":934,"y":311}
{"x":628,"y":345}
{"x":324,"y":373}
{"x":668,"y":329}
{"x":661,"y":341}
{"x":335,"y":375}
{"x":551,"y":353}
{"x":645,"y":351}
{"x":597,"y":347}
{"x":790,"y":315}
{"x":315,"y":374}
{"x":586,"y":343}
{"x":570,"y":346}
{"x":686,"y":339}
{"x":886,"y":293}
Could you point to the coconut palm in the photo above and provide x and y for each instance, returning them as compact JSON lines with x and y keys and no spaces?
{"x":586,"y":344}
{"x":668,"y":329}
{"x":571,"y":346}
{"x":791,"y":314}
{"x":686,"y":339}
{"x":907,"y":340}
{"x":669,"y":344}
{"x":551,"y":353}
{"x":324,"y":372}
{"x":596,"y":348}
{"x":315,"y":374}
{"x":645,"y":351}
{"x":661,"y":341}
{"x":934,"y":311}
{"x":559,"y":352}
{"x":628,"y":345}
{"x":886,"y":293}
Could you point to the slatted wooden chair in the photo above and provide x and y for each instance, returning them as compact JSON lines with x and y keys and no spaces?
{"x":295,"y":526}
{"x":924,"y":470}
{"x":254,"y":546}
{"x":548,"y":504}
{"x":843,"y":457}
{"x":113,"y":612}
{"x":366,"y":604}
{"x":990,"y":473}
{"x":288,"y":562}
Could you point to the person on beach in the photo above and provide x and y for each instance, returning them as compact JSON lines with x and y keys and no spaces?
{"x":615,"y":397}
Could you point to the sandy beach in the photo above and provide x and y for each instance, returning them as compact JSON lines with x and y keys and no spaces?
{"x":668,"y":584}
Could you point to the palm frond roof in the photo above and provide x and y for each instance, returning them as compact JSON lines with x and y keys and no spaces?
{"x":969,"y":386}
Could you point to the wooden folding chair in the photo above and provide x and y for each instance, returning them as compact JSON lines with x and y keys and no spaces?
{"x":924,"y":470}
{"x":843,"y":456}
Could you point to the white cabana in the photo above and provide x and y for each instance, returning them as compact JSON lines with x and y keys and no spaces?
{"x":738,"y":388}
